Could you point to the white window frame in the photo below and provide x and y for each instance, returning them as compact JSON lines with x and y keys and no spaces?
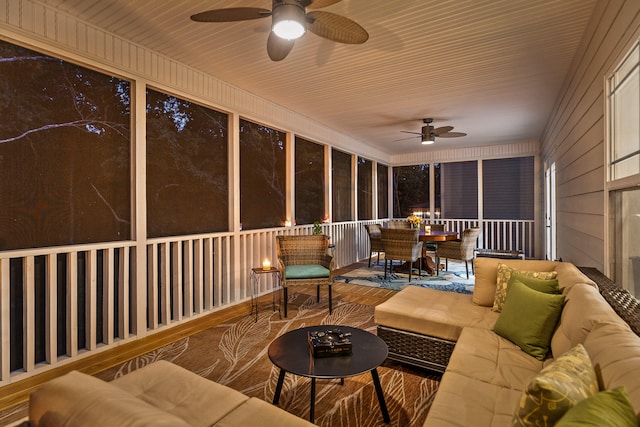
{"x":614,"y":185}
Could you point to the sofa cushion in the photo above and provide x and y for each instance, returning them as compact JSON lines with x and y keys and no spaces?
{"x":485,"y":356}
{"x":258,"y":413}
{"x":504,"y":275}
{"x":463,"y":401}
{"x":431,"y":312}
{"x":486,"y":272}
{"x":528,"y":319}
{"x":583,"y":308}
{"x":606,"y":408}
{"x":306,"y":271}
{"x":615,"y":354}
{"x":181,"y":392}
{"x":77,"y":399}
{"x":559,"y":386}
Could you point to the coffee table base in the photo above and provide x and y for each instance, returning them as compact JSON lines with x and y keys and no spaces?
{"x":376,"y":384}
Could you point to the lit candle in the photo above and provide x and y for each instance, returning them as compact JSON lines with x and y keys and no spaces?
{"x":287,"y":223}
{"x":427,"y":229}
{"x":266,"y":264}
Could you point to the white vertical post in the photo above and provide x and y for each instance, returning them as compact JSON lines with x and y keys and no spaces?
{"x":72,"y":304}
{"x":91,"y":299}
{"x":51,"y":309}
{"x":5,"y":317}
{"x":29,"y":305}
{"x":108,"y":296}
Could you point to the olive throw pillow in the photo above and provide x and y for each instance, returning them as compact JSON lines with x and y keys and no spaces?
{"x":548,"y":286}
{"x":504,"y":274}
{"x":529,"y":318}
{"x":559,"y":386}
{"x":607,"y":408}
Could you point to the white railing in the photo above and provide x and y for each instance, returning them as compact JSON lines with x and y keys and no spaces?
{"x":61,"y":304}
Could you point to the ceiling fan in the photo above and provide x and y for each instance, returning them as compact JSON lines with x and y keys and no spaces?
{"x":429,"y":133}
{"x":289,"y":21}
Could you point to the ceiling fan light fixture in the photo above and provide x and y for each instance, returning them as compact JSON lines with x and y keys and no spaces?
{"x":289,"y":21}
{"x":428,"y":139}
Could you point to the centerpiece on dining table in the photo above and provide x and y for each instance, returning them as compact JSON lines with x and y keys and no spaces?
{"x":414,"y":221}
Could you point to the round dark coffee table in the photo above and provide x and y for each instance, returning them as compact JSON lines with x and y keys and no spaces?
{"x":291,"y":353}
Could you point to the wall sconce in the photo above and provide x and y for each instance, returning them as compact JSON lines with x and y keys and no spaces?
{"x":287,"y":223}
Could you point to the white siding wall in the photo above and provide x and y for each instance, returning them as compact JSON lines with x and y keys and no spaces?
{"x":574,"y":138}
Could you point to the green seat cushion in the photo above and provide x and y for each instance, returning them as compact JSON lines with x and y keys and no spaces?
{"x":528,"y":319}
{"x":306,"y":271}
{"x":606,"y":408}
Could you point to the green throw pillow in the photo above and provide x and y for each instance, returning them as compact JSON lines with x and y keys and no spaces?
{"x":548,"y":286}
{"x":607,"y":408}
{"x":504,"y":274}
{"x":558,"y":387}
{"x":528,"y":319}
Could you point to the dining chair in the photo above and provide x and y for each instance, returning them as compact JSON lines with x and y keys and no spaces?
{"x":402,"y":244}
{"x":398,"y":223}
{"x":433,"y":246}
{"x":461,"y":249}
{"x":303,"y":260}
{"x":375,"y":241}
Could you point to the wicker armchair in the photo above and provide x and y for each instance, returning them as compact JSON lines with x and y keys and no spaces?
{"x":402,"y":244}
{"x":375,"y":241}
{"x":433,"y":246}
{"x":459,"y":249}
{"x":303,"y":260}
{"x":398,"y":223}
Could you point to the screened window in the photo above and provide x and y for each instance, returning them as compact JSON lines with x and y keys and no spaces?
{"x":410,"y":190}
{"x":624,"y":110}
{"x":187,"y":167}
{"x":262,"y":176}
{"x":508,"y":188}
{"x":341,"y":186}
{"x":365,"y":188}
{"x":65,"y":161}
{"x":309,"y":182}
{"x":459,"y":190}
{"x":383,"y":191}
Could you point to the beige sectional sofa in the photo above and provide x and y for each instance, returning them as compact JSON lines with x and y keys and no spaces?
{"x":160,"y":394}
{"x":484,"y":373}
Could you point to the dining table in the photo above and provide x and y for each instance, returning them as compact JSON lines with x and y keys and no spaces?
{"x":428,"y":264}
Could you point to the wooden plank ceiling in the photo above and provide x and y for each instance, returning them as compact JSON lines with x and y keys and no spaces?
{"x":490,"y":68}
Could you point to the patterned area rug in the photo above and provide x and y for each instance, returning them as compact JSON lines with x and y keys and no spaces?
{"x":453,"y":280}
{"x":235,"y":354}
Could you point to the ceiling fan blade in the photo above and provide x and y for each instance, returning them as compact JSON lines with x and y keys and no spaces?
{"x":335,"y":27}
{"x":319,"y":4}
{"x":404,"y":139}
{"x":442,"y":129}
{"x":415,"y":133}
{"x":231,"y":14}
{"x":451,"y":134}
{"x":278,"y":48}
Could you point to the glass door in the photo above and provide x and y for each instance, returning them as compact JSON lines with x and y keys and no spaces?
{"x":550,"y":212}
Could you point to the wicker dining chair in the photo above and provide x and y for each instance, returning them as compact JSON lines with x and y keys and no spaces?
{"x":303,"y":260}
{"x":462,"y":249}
{"x":433,"y":246}
{"x":375,"y":241}
{"x":402,"y":244}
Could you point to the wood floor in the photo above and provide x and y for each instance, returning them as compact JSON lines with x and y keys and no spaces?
{"x":17,"y":393}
